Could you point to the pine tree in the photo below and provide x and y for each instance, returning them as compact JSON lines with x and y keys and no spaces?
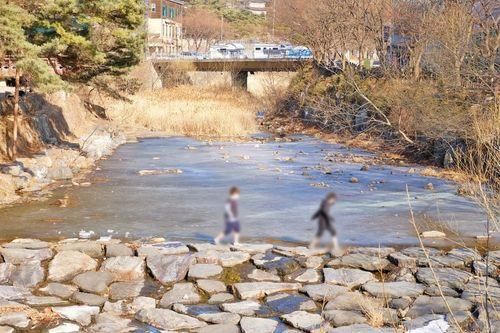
{"x":15,"y":45}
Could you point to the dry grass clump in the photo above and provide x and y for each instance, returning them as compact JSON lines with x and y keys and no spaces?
{"x":191,"y":111}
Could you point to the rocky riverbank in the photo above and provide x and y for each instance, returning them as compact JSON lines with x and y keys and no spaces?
{"x":108,"y":286}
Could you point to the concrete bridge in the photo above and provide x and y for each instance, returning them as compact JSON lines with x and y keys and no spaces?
{"x":239,"y":68}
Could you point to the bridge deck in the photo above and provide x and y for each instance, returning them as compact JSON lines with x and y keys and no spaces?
{"x":236,"y":65}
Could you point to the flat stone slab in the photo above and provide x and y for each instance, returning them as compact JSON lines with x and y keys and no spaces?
{"x":474,"y":291}
{"x":286,"y":303}
{"x":347,"y":277}
{"x":165,"y":248}
{"x":304,"y":276}
{"x":353,"y":301}
{"x":255,"y":290}
{"x":201,"y":247}
{"x":118,"y":250}
{"x":361,"y":328}
{"x":252,"y":248}
{"x":359,"y":260}
{"x":183,"y":293}
{"x":19,"y":320}
{"x":125,"y":268}
{"x":294,"y":251}
{"x":304,"y":320}
{"x":211,"y":286}
{"x":6,"y":270}
{"x":323,"y":292}
{"x":258,"y":325}
{"x":94,"y":282}
{"x":381,"y":252}
{"x":82,"y":314}
{"x":275,"y":264}
{"x":221,"y":328}
{"x":67,"y":264}
{"x":449,"y":277}
{"x":261,"y":275}
{"x":45,"y":301}
{"x":225,"y":259}
{"x":26,"y":243}
{"x":28,"y":275}
{"x":402,"y":260}
{"x":88,"y":299}
{"x":244,"y":308}
{"x":208,"y":313}
{"x":126,"y":290}
{"x":344,"y":318}
{"x":58,"y":289}
{"x":18,"y":256}
{"x":168,"y":320}
{"x":394,"y":289}
{"x":424,"y":305}
{"x":221,"y":298}
{"x":12,"y":293}
{"x":91,"y":248}
{"x":204,"y":271}
{"x":171,"y":268}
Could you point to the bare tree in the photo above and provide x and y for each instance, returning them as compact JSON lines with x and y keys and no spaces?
{"x":201,"y":26}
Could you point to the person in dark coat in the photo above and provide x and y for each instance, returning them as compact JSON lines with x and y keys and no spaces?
{"x":231,"y":221}
{"x":326,"y":221}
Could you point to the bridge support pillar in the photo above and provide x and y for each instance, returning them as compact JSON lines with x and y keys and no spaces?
{"x":240,"y":79}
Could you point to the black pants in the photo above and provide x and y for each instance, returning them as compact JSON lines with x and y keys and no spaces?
{"x":325,"y":224}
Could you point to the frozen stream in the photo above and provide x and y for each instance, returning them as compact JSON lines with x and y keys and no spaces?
{"x":276,"y":203}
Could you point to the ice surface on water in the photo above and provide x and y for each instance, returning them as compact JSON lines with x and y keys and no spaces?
{"x":277,"y":198}
{"x":436,"y":326}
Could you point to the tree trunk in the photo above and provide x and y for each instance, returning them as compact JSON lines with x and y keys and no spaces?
{"x":13,"y":149}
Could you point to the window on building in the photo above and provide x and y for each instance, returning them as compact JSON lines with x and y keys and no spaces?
{"x":172,"y":12}
{"x":164,"y":11}
{"x":153,"y":7}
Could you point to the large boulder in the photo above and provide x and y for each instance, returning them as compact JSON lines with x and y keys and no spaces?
{"x":169,"y":268}
{"x":125,"y":268}
{"x":164,"y":319}
{"x":67,"y":264}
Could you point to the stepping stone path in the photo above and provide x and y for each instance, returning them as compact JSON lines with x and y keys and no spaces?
{"x":109,"y":286}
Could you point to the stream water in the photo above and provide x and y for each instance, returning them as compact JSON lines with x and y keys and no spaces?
{"x":280,"y":192}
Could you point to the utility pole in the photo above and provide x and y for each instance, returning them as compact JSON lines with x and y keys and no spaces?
{"x":222,"y":27}
{"x":274,"y":17}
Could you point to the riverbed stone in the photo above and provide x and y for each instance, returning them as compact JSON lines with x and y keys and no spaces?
{"x":294,"y":251}
{"x":91,"y":248}
{"x":109,"y":323}
{"x":82,"y":314}
{"x":165,"y":319}
{"x":353,"y":301}
{"x":126,"y":290}
{"x":436,"y":305}
{"x":394,"y":289}
{"x":255,"y":290}
{"x":202,"y":247}
{"x":118,"y":250}
{"x":11,"y":293}
{"x":18,"y":256}
{"x":261,"y":275}
{"x":169,"y":268}
{"x":88,"y":299}
{"x":124,"y":268}
{"x":467,"y":255}
{"x":361,"y":328}
{"x":26,"y":243}
{"x":401,"y":274}
{"x":347,"y":277}
{"x":252,"y":248}
{"x":426,"y":323}
{"x":6,"y":270}
{"x":474,"y":291}
{"x":244,"y":308}
{"x":211,"y":286}
{"x":304,"y":276}
{"x":479,"y":268}
{"x":221,"y":298}
{"x":449,"y":277}
{"x":18,"y":319}
{"x":344,"y":318}
{"x":219,"y":328}
{"x":58,"y":289}
{"x":208,"y":313}
{"x":28,"y":275}
{"x":494,"y":257}
{"x":313,"y":262}
{"x":45,"y":301}
{"x":287,"y":303}
{"x":183,"y":293}
{"x":204,"y":271}
{"x":443,"y":291}
{"x":67,"y":264}
{"x":94,"y":282}
{"x":225,"y":259}
{"x":275,"y":264}
{"x":258,"y":325}
{"x":323,"y":292}
{"x":402,"y":260}
{"x":419,"y":254}
{"x":360,"y":260}
{"x":304,"y":320}
{"x":163,"y":248}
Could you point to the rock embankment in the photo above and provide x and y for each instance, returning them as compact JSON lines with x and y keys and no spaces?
{"x":108,"y":286}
